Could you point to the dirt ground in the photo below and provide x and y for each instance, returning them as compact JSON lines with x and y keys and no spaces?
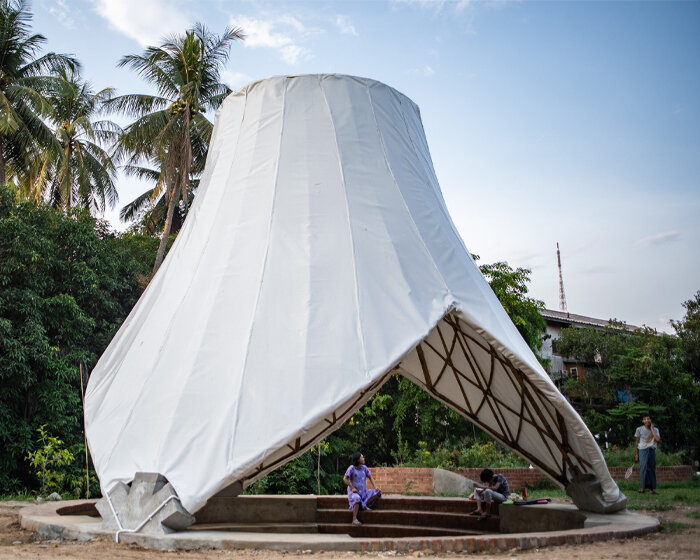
{"x":681,"y":543}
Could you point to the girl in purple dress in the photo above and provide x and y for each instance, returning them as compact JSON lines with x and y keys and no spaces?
{"x":359,"y":495}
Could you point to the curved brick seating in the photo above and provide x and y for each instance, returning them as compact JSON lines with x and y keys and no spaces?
{"x":404,"y":516}
{"x":399,"y":523}
{"x":392,"y":516}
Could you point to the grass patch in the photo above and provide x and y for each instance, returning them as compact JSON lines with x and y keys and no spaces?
{"x":693,"y":514}
{"x":546,"y":493}
{"x":672,"y":526}
{"x":669,"y":495}
{"x":21,"y":497}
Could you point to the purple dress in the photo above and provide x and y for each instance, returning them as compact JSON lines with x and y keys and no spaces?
{"x":357,"y":477}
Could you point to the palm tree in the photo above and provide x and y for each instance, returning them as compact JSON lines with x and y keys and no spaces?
{"x":75,"y":170}
{"x":171,"y":126}
{"x":147,"y":211}
{"x":23,"y":79}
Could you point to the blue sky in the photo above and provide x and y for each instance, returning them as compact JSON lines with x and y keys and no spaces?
{"x":576,"y":122}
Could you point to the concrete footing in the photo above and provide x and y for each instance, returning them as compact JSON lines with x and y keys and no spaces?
{"x":148,"y":505}
{"x":587,"y":494}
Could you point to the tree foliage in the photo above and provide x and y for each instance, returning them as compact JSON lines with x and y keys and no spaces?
{"x":171,"y":128}
{"x":66,"y":284}
{"x":75,"y":169}
{"x":688,"y":331}
{"x":629,"y":374}
{"x":25,"y":75}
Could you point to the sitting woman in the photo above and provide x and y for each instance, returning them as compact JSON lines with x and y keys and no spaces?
{"x":359,"y":496}
{"x":495,"y":489}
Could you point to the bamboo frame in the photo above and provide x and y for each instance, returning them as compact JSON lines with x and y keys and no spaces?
{"x":456,"y":342}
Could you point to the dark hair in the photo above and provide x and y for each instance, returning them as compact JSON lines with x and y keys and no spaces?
{"x":486,"y":475}
{"x":356,"y":458}
{"x":646,"y":415}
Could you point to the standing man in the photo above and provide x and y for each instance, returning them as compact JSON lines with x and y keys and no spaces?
{"x":647,"y":436}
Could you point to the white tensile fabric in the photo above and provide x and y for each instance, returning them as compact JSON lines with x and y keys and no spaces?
{"x":316,"y":257}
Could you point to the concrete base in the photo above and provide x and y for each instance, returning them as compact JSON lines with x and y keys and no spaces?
{"x":586,"y":492}
{"x":447,"y":482}
{"x":43,"y":519}
{"x":541,"y":517}
{"x":258,"y":509}
{"x":148,"y":505}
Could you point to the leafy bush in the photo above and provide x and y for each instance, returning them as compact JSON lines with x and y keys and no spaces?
{"x":624,"y":457}
{"x":66,"y":284}
{"x":472,"y":456}
{"x":47,"y":462}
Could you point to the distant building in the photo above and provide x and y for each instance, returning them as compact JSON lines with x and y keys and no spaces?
{"x":562,"y":367}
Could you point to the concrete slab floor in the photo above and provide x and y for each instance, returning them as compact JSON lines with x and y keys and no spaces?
{"x":43,"y":519}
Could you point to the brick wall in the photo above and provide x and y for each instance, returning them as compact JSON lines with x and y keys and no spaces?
{"x":666,"y":474}
{"x":517,"y":478}
{"x":520,"y":477}
{"x":420,"y":480}
{"x":403,"y":480}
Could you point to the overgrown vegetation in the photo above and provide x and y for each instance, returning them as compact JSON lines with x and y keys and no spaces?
{"x":630,"y":373}
{"x":66,"y":284}
{"x":624,"y":457}
{"x":48,"y":461}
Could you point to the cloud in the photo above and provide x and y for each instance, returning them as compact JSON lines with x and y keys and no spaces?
{"x":235,"y":79}
{"x":62,"y":13}
{"x":456,"y":5}
{"x":279,"y":33}
{"x":292,"y":53}
{"x":659,"y":238}
{"x":345,"y":26}
{"x":438,"y":5}
{"x":145,"y":21}
{"x":425,"y":71}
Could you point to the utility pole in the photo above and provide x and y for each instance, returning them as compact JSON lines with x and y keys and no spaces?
{"x":562,"y":297}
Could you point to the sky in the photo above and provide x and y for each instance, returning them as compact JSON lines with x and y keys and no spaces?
{"x":569,"y":122}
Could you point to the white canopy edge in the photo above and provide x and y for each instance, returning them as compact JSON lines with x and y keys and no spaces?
{"x":317,"y":257}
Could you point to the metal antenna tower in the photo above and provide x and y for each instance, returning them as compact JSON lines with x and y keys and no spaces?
{"x":562,"y":297}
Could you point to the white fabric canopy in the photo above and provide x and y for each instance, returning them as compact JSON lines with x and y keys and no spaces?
{"x":317,"y":257}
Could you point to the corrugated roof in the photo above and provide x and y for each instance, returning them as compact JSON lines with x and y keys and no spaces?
{"x":574,"y":319}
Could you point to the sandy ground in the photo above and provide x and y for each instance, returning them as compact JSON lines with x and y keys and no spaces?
{"x":682,"y":544}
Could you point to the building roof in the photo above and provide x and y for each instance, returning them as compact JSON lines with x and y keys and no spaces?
{"x":572,"y":319}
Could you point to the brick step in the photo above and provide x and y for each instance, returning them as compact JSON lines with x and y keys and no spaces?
{"x":406,"y":503}
{"x":410,"y":517}
{"x":388,"y":531}
{"x":257,"y":527}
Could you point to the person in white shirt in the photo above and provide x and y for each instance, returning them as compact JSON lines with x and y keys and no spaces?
{"x":647,"y":436}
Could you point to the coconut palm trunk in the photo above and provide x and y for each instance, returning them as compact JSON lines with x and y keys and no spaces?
{"x":3,"y":174}
{"x":160,"y":255}
{"x":181,"y":179}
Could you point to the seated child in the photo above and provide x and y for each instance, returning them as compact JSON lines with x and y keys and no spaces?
{"x":495,"y":489}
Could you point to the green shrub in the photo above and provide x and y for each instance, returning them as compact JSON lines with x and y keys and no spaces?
{"x":473,"y":456}
{"x":48,"y":462}
{"x":624,"y":457}
{"x":66,"y":284}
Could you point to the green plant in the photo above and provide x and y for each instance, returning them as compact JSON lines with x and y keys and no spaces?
{"x":671,"y":526}
{"x":544,"y":485}
{"x":66,"y":284}
{"x":470,"y":456}
{"x":624,"y":457}
{"x":47,"y":460}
